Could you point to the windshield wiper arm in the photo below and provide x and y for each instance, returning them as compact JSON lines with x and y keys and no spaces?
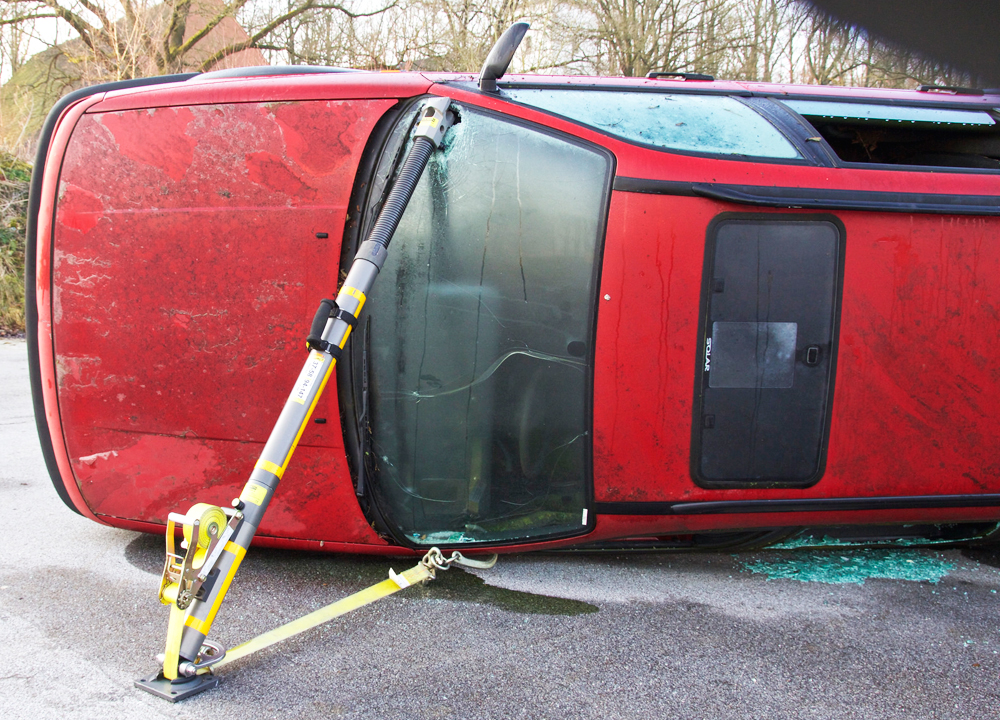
{"x":362,"y":420}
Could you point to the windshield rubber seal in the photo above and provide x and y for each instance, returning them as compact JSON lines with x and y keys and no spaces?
{"x":363,"y":209}
{"x":373,"y":511}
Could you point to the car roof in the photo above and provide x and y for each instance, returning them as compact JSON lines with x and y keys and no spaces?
{"x":929,"y":94}
{"x":286,"y":84}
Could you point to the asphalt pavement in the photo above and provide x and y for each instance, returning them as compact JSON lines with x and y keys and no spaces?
{"x":539,"y":636}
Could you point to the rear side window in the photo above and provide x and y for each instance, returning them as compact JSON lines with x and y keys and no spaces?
{"x":905,"y":135}
{"x":480,"y":331}
{"x":692,"y":123}
{"x":770,"y":299}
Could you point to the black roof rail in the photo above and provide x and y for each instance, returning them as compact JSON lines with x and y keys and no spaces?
{"x":265,"y":70}
{"x":950,"y":90}
{"x":681,"y":75}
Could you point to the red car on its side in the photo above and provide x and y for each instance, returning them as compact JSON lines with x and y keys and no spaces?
{"x":660,"y":312}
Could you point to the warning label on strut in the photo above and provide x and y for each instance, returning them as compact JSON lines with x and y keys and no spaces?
{"x":254,"y":493}
{"x":308,"y":377}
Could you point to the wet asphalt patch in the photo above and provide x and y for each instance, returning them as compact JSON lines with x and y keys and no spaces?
{"x":146,"y":553}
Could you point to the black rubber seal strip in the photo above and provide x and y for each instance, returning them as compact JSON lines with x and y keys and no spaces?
{"x":31,"y":250}
{"x":386,"y":132}
{"x":654,"y":187}
{"x":819,"y":198}
{"x":797,"y":129}
{"x":391,"y":529}
{"x":739,"y":507}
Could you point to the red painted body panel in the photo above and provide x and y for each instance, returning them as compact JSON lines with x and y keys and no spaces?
{"x":919,"y":323}
{"x":186,"y":270}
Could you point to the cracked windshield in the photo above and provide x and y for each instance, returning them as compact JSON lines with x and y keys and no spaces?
{"x":481,"y":331}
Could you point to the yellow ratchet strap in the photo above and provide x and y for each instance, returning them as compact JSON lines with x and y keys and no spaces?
{"x":395,"y":583}
{"x":171,"y":655}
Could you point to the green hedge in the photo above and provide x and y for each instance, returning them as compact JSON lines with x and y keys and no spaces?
{"x":15,"y":177}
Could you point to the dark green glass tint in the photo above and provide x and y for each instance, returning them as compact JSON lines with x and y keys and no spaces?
{"x":481,"y":322}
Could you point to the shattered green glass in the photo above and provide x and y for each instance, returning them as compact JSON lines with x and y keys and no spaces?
{"x":854,"y":566}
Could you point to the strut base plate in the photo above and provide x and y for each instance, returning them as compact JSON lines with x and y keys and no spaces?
{"x":175,"y":691}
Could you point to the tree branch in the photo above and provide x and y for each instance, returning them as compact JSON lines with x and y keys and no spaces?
{"x":278,"y":22}
{"x":83,"y":28}
{"x":25,"y":18}
{"x":174,"y":36}
{"x":354,"y":15}
{"x":98,"y":11}
{"x":227,"y":11}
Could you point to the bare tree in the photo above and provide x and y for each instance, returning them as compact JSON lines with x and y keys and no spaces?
{"x":15,"y":38}
{"x":135,"y":38}
{"x":758,"y":45}
{"x":889,"y":66}
{"x":768,"y":40}
{"x":632,"y":37}
{"x":463,"y":31}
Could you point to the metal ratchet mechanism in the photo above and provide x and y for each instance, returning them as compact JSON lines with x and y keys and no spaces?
{"x":185,"y":576}
{"x":195,"y":584}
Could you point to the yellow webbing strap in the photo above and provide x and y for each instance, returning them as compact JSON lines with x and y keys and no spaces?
{"x":412,"y":576}
{"x":171,"y":655}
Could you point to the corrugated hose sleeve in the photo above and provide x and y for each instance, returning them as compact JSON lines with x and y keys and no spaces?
{"x":402,"y":190}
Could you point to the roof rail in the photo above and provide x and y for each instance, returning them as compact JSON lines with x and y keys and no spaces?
{"x":681,"y":76}
{"x":265,"y":70}
{"x":950,"y":90}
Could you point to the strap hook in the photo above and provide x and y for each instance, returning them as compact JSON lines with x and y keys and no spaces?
{"x":435,"y":560}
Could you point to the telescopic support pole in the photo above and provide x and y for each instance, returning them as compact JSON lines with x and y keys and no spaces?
{"x":195,"y":592}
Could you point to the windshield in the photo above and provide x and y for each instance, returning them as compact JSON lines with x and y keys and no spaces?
{"x":692,"y":123}
{"x":481,"y":326}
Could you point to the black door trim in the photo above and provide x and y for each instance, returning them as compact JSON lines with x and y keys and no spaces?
{"x":738,"y":507}
{"x":818,"y":198}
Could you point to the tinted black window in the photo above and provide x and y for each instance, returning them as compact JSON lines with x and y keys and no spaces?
{"x":766,"y":369}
